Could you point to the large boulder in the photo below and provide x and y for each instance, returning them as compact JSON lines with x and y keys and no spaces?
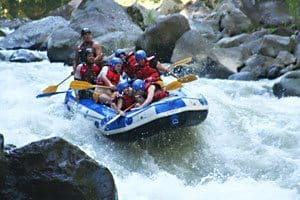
{"x":192,"y":43}
{"x":288,"y":85}
{"x":267,"y":12}
{"x":54,"y":169}
{"x":61,"y":45}
{"x":272,"y":44}
{"x":102,"y":17}
{"x":33,"y":35}
{"x":159,"y":39}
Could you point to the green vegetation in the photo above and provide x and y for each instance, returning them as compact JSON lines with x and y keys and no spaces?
{"x":33,"y":9}
{"x":294,"y":9}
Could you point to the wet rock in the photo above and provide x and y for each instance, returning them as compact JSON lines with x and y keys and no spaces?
{"x":235,"y":41}
{"x":210,"y":68}
{"x":159,"y":39}
{"x":54,"y":169}
{"x":33,"y":35}
{"x":288,"y":85}
{"x":1,"y":143}
{"x":273,"y":71}
{"x":23,"y":55}
{"x":257,"y":65}
{"x":242,"y":76}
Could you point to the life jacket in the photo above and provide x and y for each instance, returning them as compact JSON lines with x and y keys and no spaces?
{"x":146,"y":71}
{"x":129,"y":67}
{"x":159,"y":93}
{"x":111,"y":75}
{"x":89,"y":73}
{"x":82,"y":51}
{"x":127,"y":101}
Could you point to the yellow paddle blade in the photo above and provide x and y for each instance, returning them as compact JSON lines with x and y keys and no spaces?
{"x":181,"y":62}
{"x":188,"y":78}
{"x":50,"y":89}
{"x":173,"y":85}
{"x":81,"y":85}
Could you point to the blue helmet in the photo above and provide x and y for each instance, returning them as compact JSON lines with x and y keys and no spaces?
{"x":119,"y":52}
{"x":138,"y":84}
{"x":121,"y":85}
{"x":140,"y":54}
{"x":115,"y":61}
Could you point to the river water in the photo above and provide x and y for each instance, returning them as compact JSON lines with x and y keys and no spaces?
{"x":247,"y":148}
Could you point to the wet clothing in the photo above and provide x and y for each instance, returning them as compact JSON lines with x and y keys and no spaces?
{"x":112,"y":76}
{"x":127,"y":101}
{"x":159,"y":93}
{"x":129,"y":66}
{"x":148,"y":72}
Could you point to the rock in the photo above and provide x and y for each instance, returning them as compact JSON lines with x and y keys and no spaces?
{"x":257,"y":65}
{"x":272,"y":44}
{"x":192,"y":43}
{"x":232,"y":58}
{"x":102,"y":17}
{"x":267,"y":12}
{"x":242,"y":76}
{"x":235,"y":41}
{"x":273,"y":71}
{"x":297,"y":54}
{"x":170,"y":7}
{"x":159,"y":39}
{"x":284,"y":58}
{"x":54,"y":169}
{"x":1,"y":144}
{"x":61,"y":45}
{"x":115,"y":40}
{"x":210,"y":68}
{"x":33,"y":35}
{"x":13,"y":23}
{"x":24,"y":56}
{"x":288,"y":85}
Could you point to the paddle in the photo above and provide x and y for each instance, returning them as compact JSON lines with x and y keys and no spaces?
{"x":180,"y":62}
{"x":50,"y":94}
{"x":53,"y":88}
{"x":173,"y":85}
{"x":187,"y":78}
{"x":119,"y":115}
{"x":83,"y":85}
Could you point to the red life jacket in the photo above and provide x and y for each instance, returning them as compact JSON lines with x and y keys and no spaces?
{"x":127,"y":101}
{"x":159,"y":93}
{"x":148,"y":73}
{"x":111,"y":75}
{"x":130,"y":66}
{"x":89,"y":73}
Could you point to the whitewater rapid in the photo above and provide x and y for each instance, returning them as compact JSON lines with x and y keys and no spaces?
{"x":247,"y":148}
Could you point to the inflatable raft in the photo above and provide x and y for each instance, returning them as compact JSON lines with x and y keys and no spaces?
{"x":177,"y":110}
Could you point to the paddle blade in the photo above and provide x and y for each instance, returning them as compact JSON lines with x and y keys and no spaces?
{"x":173,"y":85}
{"x":80,"y":85}
{"x":50,"y":94}
{"x":181,"y":62}
{"x":50,"y":89}
{"x":188,"y":78}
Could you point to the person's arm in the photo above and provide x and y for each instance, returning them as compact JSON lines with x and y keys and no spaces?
{"x":98,"y":51}
{"x":107,"y":82}
{"x":160,"y":67}
{"x":150,"y":96}
{"x":75,"y":60}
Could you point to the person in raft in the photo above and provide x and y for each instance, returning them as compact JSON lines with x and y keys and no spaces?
{"x":108,"y":77}
{"x":87,"y":42}
{"x":87,"y":71}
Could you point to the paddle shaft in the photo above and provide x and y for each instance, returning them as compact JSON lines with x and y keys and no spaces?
{"x":64,"y":79}
{"x":119,"y":115}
